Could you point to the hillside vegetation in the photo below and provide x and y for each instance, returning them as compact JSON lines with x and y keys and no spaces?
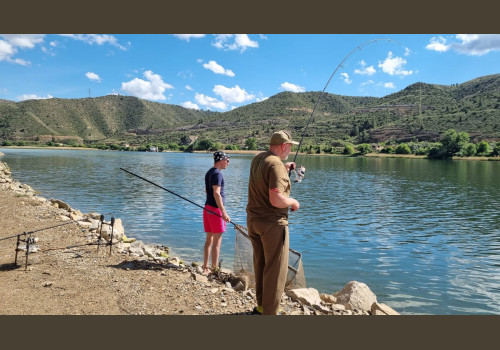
{"x":420,"y":112}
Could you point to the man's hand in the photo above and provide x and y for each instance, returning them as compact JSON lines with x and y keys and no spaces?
{"x":289,"y":166}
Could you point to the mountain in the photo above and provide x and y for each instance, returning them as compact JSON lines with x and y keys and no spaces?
{"x":419,"y":112}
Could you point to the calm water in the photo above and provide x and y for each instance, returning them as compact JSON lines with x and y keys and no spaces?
{"x":423,"y":235}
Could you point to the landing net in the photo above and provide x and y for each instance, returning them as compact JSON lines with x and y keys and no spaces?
{"x":243,"y":261}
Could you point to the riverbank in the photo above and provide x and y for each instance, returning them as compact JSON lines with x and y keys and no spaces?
{"x":302,"y":154}
{"x":70,"y":274}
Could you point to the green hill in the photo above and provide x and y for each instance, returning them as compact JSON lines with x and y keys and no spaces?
{"x":419,"y":112}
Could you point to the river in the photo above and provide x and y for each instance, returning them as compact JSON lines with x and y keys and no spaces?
{"x":424,"y":235}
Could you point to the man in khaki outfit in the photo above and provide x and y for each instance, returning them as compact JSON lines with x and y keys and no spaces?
{"x":267,"y":220}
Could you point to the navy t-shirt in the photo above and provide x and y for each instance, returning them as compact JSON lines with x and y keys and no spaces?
{"x":214,"y":177}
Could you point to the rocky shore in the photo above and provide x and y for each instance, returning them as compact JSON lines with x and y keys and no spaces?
{"x":73,"y":263}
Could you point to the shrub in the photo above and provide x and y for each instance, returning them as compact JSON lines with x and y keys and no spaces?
{"x":403,"y":149}
{"x":348,"y":149}
{"x":387,"y":149}
{"x":483,"y":148}
{"x":469,"y":150}
{"x":364,"y":148}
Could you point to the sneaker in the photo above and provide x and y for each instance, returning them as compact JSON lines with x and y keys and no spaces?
{"x":257,"y":310}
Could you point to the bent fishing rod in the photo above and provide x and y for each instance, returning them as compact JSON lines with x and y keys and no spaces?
{"x":323,"y":91}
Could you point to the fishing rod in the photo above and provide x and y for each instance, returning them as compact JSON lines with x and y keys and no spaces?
{"x":175,"y":194}
{"x":237,"y":226}
{"x":328,"y":82}
{"x":41,"y":229}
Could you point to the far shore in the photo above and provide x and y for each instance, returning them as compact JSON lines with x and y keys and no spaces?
{"x":369,"y":155}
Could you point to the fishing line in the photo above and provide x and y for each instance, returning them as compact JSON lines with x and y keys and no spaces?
{"x":373,"y":41}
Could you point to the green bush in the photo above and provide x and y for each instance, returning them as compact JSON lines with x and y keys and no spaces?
{"x":483,"y":148}
{"x":364,"y":148}
{"x":469,"y":150}
{"x":348,"y":149}
{"x":403,"y":149}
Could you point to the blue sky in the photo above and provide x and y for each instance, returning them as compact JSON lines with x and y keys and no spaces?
{"x":223,"y":72}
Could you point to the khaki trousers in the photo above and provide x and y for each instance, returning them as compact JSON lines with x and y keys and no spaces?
{"x":270,"y":259}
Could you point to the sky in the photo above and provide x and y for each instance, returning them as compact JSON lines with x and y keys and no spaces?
{"x":220,"y":72}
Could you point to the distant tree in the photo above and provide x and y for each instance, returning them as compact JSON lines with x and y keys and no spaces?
{"x":364,"y":148}
{"x":204,"y":145}
{"x":469,"y":150}
{"x":348,"y":150}
{"x":251,"y":143}
{"x":483,"y":148}
{"x":496,"y":150}
{"x":387,"y":149}
{"x":452,"y":142}
{"x":403,"y":149}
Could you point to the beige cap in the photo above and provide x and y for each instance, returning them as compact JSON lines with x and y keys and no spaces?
{"x":282,"y":136}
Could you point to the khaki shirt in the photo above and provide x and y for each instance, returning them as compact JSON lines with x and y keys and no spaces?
{"x":267,"y":171}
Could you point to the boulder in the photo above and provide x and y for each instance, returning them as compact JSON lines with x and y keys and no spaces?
{"x":307,"y":296}
{"x":356,"y":296}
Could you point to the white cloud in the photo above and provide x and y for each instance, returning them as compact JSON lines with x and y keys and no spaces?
{"x":389,"y":85}
{"x":6,"y":50}
{"x":292,"y":87}
{"x":191,"y":105}
{"x":93,"y":77}
{"x":188,"y":37}
{"x":234,"y":42}
{"x":151,"y":89}
{"x":189,"y":88}
{"x":468,"y":44}
{"x":437,"y":44}
{"x":32,"y":97}
{"x":477,"y":44}
{"x":27,"y":41}
{"x":218,"y":69}
{"x":407,"y":52}
{"x":210,"y":102}
{"x":232,"y":95}
{"x":99,"y":39}
{"x":345,"y":77}
{"x":368,"y":82}
{"x":9,"y":46}
{"x":394,"y":65}
{"x":364,"y":70}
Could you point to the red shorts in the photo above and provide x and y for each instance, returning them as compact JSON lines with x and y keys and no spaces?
{"x":211,"y":222}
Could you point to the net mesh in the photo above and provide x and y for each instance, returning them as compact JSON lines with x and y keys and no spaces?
{"x":243,"y":261}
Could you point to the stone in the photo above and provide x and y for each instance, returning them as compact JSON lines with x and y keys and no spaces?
{"x":356,"y":296}
{"x":328,"y":298}
{"x":60,"y":204}
{"x":379,"y":308}
{"x":239,"y":286}
{"x":307,"y":296}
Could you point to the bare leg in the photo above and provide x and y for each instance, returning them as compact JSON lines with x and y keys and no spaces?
{"x":217,"y":240}
{"x":206,"y":252}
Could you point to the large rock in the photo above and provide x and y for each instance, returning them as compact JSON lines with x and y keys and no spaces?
{"x":307,"y":296}
{"x":356,"y":296}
